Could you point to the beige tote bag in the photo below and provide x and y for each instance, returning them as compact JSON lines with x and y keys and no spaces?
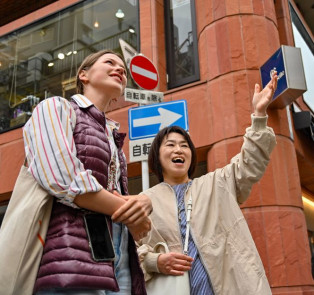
{"x":22,"y":235}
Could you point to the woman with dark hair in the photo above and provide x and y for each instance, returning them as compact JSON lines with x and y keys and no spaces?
{"x":222,"y":257}
{"x":75,"y":152}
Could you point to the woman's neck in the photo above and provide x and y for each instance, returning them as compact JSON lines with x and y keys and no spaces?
{"x":175,"y":181}
{"x":100,"y":100}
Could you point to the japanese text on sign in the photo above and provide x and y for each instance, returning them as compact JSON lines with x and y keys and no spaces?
{"x":139,"y":149}
{"x":143,"y":96}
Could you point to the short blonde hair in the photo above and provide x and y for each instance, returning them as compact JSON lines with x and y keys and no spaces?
{"x":88,"y":62}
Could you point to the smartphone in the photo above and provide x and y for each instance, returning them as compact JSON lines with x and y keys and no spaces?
{"x":99,"y":237}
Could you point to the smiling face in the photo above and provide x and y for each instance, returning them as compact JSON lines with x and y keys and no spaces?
{"x":106,"y":75}
{"x":175,"y":158}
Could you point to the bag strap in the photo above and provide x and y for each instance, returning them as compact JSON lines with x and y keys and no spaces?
{"x":188,"y":218}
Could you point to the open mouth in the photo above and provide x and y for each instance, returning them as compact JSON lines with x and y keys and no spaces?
{"x":118,"y":76}
{"x":178,"y":160}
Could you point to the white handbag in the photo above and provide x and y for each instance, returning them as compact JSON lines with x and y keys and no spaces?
{"x":22,"y":235}
{"x":168,"y":285}
{"x":162,"y":284}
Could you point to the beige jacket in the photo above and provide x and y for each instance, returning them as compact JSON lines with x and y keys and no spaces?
{"x":218,"y":226}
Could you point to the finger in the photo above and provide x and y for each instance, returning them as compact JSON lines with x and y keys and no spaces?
{"x":189,"y":258}
{"x":273,"y":82}
{"x":130,"y":217}
{"x":257,"y":88}
{"x":182,"y":257}
{"x":176,"y":272}
{"x":136,"y":215}
{"x":182,"y":267}
{"x":122,"y":212}
{"x":184,"y":263}
{"x":134,"y":219}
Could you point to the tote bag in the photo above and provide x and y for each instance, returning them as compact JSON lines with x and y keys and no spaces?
{"x":22,"y":235}
{"x":162,"y":284}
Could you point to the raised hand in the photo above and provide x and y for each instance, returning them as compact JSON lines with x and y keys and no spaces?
{"x":174,"y":263}
{"x":262,"y":99}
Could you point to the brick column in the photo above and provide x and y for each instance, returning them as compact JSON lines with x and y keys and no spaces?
{"x":235,"y":38}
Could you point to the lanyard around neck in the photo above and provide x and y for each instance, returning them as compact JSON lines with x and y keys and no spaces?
{"x":188,"y":217}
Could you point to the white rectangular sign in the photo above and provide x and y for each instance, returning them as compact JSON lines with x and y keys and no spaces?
{"x":139,"y":149}
{"x":143,"y":96}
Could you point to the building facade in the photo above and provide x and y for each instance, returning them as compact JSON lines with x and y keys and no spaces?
{"x":207,"y":52}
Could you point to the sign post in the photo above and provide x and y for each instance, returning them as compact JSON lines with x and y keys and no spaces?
{"x":145,"y":75}
{"x":145,"y":122}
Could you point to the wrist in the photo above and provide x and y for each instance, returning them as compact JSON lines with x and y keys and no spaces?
{"x":260,"y":114}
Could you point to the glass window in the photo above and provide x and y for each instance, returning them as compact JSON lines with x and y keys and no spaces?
{"x":181,"y":42}
{"x":303,"y":40}
{"x":41,"y":60}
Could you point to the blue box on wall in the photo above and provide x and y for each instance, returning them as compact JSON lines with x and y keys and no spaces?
{"x":287,"y":61}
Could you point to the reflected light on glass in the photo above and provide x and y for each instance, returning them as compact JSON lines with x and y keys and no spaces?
{"x":307,"y":201}
{"x":74,"y":52}
{"x":96,"y":24}
{"x":69,"y":53}
{"x":51,"y":64}
{"x":119,"y":13}
{"x":131,"y":30}
{"x":60,"y":55}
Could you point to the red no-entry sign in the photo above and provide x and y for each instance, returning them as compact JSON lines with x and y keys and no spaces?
{"x":143,"y":72}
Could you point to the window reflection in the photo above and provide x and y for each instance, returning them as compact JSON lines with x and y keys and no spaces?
{"x":41,"y":60}
{"x":304,"y":41}
{"x":181,"y":42}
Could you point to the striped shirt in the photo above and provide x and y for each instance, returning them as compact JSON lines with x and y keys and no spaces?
{"x":51,"y":153}
{"x":200,"y":283}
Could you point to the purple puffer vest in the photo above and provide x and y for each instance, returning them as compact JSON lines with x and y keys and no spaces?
{"x":66,"y":261}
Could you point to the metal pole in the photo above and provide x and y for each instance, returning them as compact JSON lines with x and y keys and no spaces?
{"x":145,"y":175}
{"x":145,"y":172}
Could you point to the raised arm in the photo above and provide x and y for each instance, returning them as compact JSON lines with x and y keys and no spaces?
{"x":249,"y":165}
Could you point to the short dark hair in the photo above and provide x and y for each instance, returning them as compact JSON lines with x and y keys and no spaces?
{"x":153,"y":157}
{"x":88,"y":62}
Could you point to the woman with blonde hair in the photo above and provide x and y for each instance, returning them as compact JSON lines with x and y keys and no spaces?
{"x":75,"y":152}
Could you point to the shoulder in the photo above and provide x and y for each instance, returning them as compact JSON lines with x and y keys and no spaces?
{"x":58,"y":107}
{"x":55,"y":101}
{"x":157,"y":189}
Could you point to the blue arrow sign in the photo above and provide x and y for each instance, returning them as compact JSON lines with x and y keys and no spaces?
{"x":146,"y":121}
{"x":275,"y":62}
